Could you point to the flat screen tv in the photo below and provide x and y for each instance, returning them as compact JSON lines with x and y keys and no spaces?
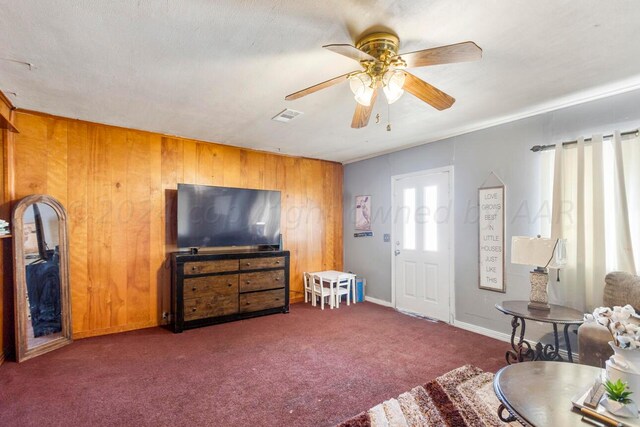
{"x":223,"y":216}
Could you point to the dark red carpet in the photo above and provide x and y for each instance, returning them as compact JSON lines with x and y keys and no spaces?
{"x":305,"y":368}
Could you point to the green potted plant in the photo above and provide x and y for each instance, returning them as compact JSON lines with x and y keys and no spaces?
{"x":617,"y":401}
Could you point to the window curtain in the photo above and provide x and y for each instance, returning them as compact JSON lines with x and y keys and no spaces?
{"x":592,"y":192}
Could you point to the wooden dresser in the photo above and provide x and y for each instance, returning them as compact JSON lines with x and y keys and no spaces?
{"x":221,"y":287}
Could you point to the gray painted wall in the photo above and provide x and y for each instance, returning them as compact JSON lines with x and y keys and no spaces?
{"x":502,"y":149}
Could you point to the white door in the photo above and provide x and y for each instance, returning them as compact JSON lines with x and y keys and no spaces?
{"x":421,"y":249}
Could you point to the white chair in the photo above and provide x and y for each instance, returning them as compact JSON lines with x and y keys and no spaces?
{"x":319,"y":290}
{"x":343,"y":287}
{"x":308,"y":289}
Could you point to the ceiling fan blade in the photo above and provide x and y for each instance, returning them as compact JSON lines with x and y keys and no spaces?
{"x":461,"y":52}
{"x":427,"y":93}
{"x":362,"y":114}
{"x":349,"y":51}
{"x":315,"y":88}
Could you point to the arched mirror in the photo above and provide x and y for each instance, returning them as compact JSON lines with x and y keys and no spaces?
{"x":41,"y":252}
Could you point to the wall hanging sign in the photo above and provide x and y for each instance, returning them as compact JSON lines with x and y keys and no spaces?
{"x":363,"y":213}
{"x":491,"y":224}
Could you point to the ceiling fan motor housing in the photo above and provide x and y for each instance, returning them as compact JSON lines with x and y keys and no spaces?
{"x":383,"y":47}
{"x":378,"y":44}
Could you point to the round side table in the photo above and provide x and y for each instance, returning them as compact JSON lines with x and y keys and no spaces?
{"x":521,"y":350}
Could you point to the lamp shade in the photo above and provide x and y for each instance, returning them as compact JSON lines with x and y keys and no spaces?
{"x":538,"y":251}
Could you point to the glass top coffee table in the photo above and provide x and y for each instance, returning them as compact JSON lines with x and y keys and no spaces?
{"x":540,"y":393}
{"x":558,"y":315}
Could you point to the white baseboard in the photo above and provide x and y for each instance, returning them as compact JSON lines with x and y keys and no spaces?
{"x":483,"y":331}
{"x":503,"y":337}
{"x":377,"y":301}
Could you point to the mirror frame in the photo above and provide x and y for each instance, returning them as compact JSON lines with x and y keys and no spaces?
{"x":23,"y":352}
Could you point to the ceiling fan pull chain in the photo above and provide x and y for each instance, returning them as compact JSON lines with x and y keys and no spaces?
{"x":388,"y":118}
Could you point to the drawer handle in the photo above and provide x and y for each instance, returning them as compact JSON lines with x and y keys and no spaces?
{"x":277,"y":279}
{"x":248,"y":282}
{"x":193,"y":309}
{"x":277,"y":299}
{"x":194,"y":268}
{"x":277,"y":262}
{"x":194,"y":289}
{"x":229,"y":284}
{"x":248,"y":264}
{"x":248,"y":303}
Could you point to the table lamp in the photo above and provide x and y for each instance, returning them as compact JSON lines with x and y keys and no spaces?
{"x":542,"y":253}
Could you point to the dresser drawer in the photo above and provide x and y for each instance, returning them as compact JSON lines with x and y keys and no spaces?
{"x":256,"y":301}
{"x":256,"y":263}
{"x":261,"y":280}
{"x":210,"y":306}
{"x":205,"y":285}
{"x":205,"y":267}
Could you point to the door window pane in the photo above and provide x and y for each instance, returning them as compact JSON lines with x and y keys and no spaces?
{"x":409,"y":218}
{"x":430,"y":226}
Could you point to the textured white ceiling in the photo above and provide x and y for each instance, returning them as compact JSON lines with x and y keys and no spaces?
{"x":219,"y":70}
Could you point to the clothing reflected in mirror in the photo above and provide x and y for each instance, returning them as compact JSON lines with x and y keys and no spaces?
{"x":42,"y":273}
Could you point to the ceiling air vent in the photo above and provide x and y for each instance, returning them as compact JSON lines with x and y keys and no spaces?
{"x":286,"y":115}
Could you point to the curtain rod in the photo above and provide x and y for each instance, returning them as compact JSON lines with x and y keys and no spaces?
{"x":538,"y":148}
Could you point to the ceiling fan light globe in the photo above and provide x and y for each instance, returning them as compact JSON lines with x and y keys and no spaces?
{"x":393,"y":81}
{"x":364,"y":98}
{"x":392,"y":95}
{"x":360,"y":85}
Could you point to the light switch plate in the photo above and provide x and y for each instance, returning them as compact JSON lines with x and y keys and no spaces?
{"x":387,"y":237}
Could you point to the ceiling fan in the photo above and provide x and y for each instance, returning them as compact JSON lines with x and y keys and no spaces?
{"x":384,"y":68}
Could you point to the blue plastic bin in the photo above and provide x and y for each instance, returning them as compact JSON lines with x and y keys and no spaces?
{"x":361,"y":282}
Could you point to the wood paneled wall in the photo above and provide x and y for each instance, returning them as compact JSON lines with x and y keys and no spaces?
{"x":119,"y":188}
{"x":6,"y":264}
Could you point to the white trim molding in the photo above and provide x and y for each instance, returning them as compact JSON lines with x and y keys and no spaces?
{"x":576,"y":98}
{"x":483,"y":331}
{"x":377,"y":301}
{"x":501,"y":336}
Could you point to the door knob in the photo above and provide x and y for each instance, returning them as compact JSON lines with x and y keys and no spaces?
{"x":397,"y":252}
